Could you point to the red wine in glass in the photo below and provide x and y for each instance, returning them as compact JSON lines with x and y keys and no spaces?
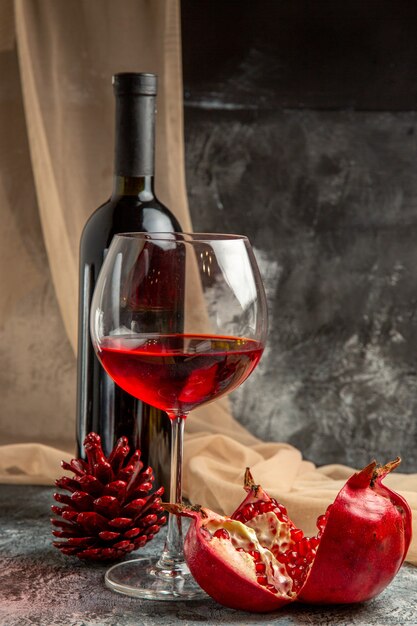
{"x":177,"y":373}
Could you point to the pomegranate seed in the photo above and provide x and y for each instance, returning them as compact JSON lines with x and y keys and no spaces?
{"x":221,"y":533}
{"x":314,"y":542}
{"x":321,"y":522}
{"x":264,"y":507}
{"x":262,"y":580}
{"x":301,"y":562}
{"x":260,"y":568}
{"x":255,"y":555}
{"x":296,"y":534}
{"x":281,"y":508}
{"x":311,"y":554}
{"x":248,"y":511}
{"x":304,"y":547}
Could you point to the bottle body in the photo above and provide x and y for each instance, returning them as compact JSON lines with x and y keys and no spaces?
{"x":102,"y":406}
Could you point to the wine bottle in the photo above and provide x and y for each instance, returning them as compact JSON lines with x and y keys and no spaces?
{"x":102,"y":406}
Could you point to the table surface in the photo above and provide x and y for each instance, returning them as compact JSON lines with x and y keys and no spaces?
{"x":40,"y":586}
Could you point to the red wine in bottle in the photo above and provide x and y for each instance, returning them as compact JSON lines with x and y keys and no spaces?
{"x":102,"y":406}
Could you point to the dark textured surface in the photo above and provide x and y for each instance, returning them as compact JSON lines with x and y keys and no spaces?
{"x":329,"y":201}
{"x":40,"y":586}
{"x":327,"y":54}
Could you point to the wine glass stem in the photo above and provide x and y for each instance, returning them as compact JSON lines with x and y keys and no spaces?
{"x":172,"y":557}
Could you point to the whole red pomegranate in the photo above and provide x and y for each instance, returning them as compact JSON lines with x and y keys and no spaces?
{"x":258,"y":560}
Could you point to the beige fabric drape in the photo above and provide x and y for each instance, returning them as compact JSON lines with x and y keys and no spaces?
{"x":56,"y":145}
{"x":56,"y":160}
{"x":67,"y":54}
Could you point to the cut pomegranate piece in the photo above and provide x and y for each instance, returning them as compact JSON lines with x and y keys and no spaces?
{"x":258,"y":560}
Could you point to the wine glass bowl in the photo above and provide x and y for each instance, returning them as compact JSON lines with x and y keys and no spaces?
{"x":177,"y":320}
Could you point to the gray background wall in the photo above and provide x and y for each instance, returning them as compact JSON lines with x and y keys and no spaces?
{"x":301,"y":133}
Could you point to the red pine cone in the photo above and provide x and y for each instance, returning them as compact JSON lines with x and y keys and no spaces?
{"x":110,"y":511}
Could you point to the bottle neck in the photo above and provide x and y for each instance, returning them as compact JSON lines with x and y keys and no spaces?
{"x":140,"y":186}
{"x":134,"y":162}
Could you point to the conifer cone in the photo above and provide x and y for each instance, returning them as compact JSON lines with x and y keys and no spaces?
{"x":111,"y":510}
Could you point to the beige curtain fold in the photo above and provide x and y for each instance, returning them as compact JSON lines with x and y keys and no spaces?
{"x":56,"y":152}
{"x":56,"y":163}
{"x":68,"y":52}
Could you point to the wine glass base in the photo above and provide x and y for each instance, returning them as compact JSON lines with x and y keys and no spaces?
{"x":142,"y":578}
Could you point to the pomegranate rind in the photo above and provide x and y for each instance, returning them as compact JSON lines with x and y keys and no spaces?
{"x":400,"y":502}
{"x":364,"y":543}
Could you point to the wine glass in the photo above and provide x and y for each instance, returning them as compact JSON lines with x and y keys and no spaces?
{"x":177,"y":320}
